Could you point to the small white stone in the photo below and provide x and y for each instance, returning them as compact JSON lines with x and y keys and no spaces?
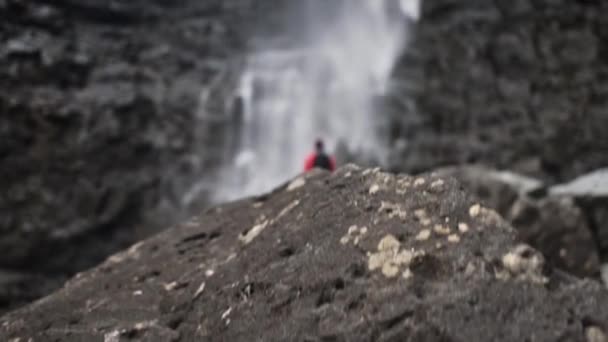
{"x":209,"y":273}
{"x":296,"y":184}
{"x":200,"y":290}
{"x":420,"y":213}
{"x":423,"y":235}
{"x":171,"y":286}
{"x":422,"y":217}
{"x":475,"y":210}
{"x":390,"y":270}
{"x":226,"y":313}
{"x":138,"y":293}
{"x":442,"y":230}
{"x":419,"y":182}
{"x":389,"y":242}
{"x":253,"y":232}
{"x":463,"y":227}
{"x":374,"y":189}
{"x":438,"y":183}
{"x":143,"y":325}
{"x":407,"y":274}
{"x":454,"y":238}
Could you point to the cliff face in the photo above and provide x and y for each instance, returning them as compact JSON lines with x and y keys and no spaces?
{"x":98,"y":123}
{"x":515,"y":84}
{"x":358,"y":255}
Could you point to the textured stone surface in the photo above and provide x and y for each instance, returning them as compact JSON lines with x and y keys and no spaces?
{"x":591,"y":193}
{"x":517,"y":85}
{"x":98,"y":123}
{"x":556,"y":225}
{"x":559,"y":228}
{"x":327,"y":260}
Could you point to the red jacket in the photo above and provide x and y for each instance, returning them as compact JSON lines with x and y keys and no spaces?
{"x":309,"y":163}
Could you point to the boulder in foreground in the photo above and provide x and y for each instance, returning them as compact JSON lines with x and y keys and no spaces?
{"x":358,"y":255}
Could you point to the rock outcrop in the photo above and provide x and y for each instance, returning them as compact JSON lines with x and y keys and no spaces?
{"x":556,"y":224}
{"x":98,"y":124}
{"x":591,"y":193}
{"x":559,"y":228}
{"x":519,"y":85}
{"x":359,"y":255}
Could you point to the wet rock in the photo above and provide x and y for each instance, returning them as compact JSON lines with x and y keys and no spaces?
{"x":304,"y":277}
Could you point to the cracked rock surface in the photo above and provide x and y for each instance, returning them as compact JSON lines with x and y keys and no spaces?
{"x":414,"y":260}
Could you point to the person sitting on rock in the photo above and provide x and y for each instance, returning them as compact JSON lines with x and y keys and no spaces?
{"x":319,"y":159}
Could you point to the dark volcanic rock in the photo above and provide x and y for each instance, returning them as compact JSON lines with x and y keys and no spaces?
{"x":591,"y":193}
{"x":99,"y":135}
{"x":353,"y":256}
{"x":497,"y":189}
{"x":559,"y":228}
{"x":555,"y":225}
{"x":511,"y":84}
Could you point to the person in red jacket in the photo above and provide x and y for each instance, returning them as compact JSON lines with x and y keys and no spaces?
{"x":319,"y":159}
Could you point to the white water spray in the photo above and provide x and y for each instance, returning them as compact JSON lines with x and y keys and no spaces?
{"x":324,"y":87}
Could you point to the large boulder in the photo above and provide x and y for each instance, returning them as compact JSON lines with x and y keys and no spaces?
{"x":555,"y":224}
{"x":558,"y":227}
{"x":591,"y":193}
{"x":497,"y":189}
{"x":357,"y":255}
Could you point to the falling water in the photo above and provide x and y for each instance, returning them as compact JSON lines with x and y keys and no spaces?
{"x":321,"y":86}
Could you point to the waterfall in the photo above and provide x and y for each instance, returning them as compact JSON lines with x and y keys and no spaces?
{"x":322,"y":84}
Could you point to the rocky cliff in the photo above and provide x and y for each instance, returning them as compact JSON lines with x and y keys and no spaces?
{"x":561,"y":224}
{"x":518,"y":85}
{"x":359,"y":255}
{"x":98,"y":114}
